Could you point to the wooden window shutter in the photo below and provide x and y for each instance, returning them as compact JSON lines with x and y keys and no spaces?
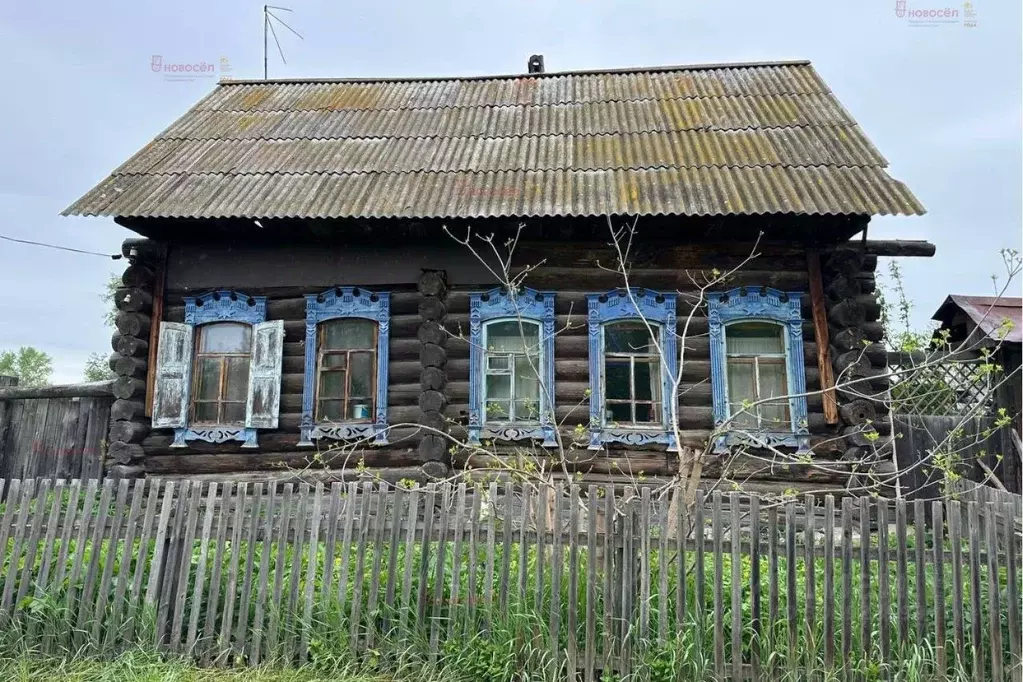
{"x":173,"y":373}
{"x":264,"y":399}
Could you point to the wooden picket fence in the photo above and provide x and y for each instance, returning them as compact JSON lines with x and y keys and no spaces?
{"x":596,"y":582}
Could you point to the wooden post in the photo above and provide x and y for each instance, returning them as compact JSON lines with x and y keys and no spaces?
{"x":154,"y":329}
{"x":820,"y":332}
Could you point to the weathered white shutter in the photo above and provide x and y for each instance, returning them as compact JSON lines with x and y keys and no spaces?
{"x":265,"y":375}
{"x":173,"y":372}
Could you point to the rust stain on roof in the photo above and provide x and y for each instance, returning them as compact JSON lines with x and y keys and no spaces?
{"x":698,"y":140}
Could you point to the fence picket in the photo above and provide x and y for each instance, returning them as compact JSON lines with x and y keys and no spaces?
{"x":429,"y":510}
{"x":506,"y":527}
{"x":242,"y":633}
{"x":21,"y":504}
{"x":88,"y":599}
{"x":920,"y":530}
{"x":1012,"y":593}
{"x":955,"y":539}
{"x":554,"y":624}
{"x":263,"y":578}
{"x":374,"y":578}
{"x":406,"y":581}
{"x":699,"y":537}
{"x":291,"y":609}
{"x":392,"y":558}
{"x":829,"y":583}
{"x":472,"y":595}
{"x":644,"y":564}
{"x":330,"y":541}
{"x":590,"y":653}
{"x":184,"y":566}
{"x":310,"y":577}
{"x":681,"y":537}
{"x":847,"y":616}
{"x":902,"y":575}
{"x":32,"y":543}
{"x":79,"y":555}
{"x":937,"y":546}
{"x":200,"y":570}
{"x":884,"y":608}
{"x":276,"y":607}
{"x":207,"y":642}
{"x":46,"y":561}
{"x":810,"y":571}
{"x":573,"y":581}
{"x":755,"y":615}
{"x":719,"y":607}
{"x":540,"y":516}
{"x":993,"y":593}
{"x":864,"y":605}
{"x":437,"y":607}
{"x":791,"y":615}
{"x":607,"y":546}
{"x":975,"y":611}
{"x":231,"y":593}
{"x":488,"y":589}
{"x":736,"y":564}
{"x":358,"y":577}
{"x":135,"y":598}
{"x":455,"y":608}
{"x":351,"y":498}
{"x":523,"y":567}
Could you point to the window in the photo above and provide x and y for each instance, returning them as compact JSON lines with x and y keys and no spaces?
{"x":347,"y":370}
{"x":221,"y":373}
{"x":633,"y":361}
{"x":632,"y":374}
{"x":345,"y":385}
{"x":757,"y":369}
{"x":512,"y":363}
{"x":511,"y":360}
{"x":218,"y":374}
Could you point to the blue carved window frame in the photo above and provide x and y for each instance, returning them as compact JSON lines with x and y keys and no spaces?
{"x":760,"y":304}
{"x":499,"y":305}
{"x":658,"y":309}
{"x":335,"y":303}
{"x":220,"y":306}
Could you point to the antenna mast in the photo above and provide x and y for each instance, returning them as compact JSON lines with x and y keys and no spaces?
{"x":268,"y":18}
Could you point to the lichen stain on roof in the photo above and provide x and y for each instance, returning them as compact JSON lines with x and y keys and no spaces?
{"x":698,"y":140}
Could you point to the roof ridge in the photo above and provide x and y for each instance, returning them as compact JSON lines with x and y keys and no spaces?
{"x":507,"y":76}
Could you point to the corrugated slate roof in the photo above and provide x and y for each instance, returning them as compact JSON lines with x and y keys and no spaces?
{"x":710,"y":140}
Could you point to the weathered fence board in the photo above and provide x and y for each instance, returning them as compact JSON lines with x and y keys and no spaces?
{"x":55,"y":437}
{"x":589,"y":582}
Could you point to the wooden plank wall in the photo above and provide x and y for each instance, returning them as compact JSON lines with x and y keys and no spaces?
{"x":53,"y":437}
{"x":587,"y":581}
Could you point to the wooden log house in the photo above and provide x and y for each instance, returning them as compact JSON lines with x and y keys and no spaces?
{"x":300,"y":299}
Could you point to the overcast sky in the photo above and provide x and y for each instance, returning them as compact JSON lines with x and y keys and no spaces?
{"x":942,"y":103}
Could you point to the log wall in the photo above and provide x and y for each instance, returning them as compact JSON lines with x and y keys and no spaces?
{"x":429,"y":353}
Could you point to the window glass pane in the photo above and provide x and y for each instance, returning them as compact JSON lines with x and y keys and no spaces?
{"x":629,"y":337}
{"x":648,"y":413}
{"x":498,"y":386}
{"x":361,"y":375}
{"x":360,"y":409}
{"x":527,"y":410}
{"x":498,"y":410}
{"x":754,"y":338}
{"x":334,"y":359}
{"x":330,"y":410}
{"x":514,"y":335}
{"x":237,"y":379}
{"x":206,"y":412}
{"x":616,"y":380}
{"x":740,"y":385}
{"x":648,"y":380}
{"x":498,"y":363}
{"x":527,"y":381}
{"x":774,"y":416}
{"x":332,"y":385}
{"x":225,"y":337}
{"x":234,"y":413}
{"x":349,"y":333}
{"x":208,"y":379}
{"x":773,"y":384}
{"x":618,"y":412}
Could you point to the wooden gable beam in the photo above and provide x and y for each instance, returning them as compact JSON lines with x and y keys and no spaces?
{"x":820,"y":332}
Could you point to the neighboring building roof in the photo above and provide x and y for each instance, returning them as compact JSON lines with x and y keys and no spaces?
{"x":684,"y":140}
{"x":1001,"y":319}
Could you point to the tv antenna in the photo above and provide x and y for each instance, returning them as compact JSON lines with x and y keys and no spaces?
{"x":268,"y":25}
